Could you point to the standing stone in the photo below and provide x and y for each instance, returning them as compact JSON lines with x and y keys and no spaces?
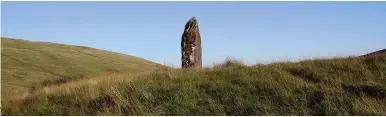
{"x":191,"y":45}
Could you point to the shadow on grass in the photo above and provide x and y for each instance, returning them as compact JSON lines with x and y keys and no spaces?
{"x":372,"y":91}
{"x":306,"y":74}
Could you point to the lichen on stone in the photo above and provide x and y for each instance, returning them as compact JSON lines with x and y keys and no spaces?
{"x":191,"y":45}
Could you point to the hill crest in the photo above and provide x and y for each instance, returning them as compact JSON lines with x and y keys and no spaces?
{"x":26,"y":64}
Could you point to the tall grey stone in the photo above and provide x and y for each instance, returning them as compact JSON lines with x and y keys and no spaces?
{"x":191,"y":45}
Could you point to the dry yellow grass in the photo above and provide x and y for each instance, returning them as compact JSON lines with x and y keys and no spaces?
{"x":339,"y":86}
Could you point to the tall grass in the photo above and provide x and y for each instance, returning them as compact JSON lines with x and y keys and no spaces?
{"x":340,"y":86}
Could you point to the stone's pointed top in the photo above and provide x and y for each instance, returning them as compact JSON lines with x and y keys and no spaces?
{"x":193,"y":19}
{"x":191,"y":24}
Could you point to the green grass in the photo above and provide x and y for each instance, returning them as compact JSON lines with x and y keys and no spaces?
{"x":339,"y":86}
{"x":27,"y":64}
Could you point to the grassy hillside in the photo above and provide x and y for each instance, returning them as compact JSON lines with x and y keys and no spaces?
{"x":341,"y":86}
{"x":376,"y":52}
{"x":26,"y":64}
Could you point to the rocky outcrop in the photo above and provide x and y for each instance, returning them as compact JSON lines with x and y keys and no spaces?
{"x":191,"y":45}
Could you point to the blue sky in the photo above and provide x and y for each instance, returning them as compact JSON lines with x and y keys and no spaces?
{"x":255,"y":32}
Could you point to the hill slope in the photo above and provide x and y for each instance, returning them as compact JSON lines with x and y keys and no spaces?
{"x":340,"y":86}
{"x":376,"y":52}
{"x":25,"y":64}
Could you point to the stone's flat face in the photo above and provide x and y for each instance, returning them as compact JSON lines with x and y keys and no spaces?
{"x":191,"y":45}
